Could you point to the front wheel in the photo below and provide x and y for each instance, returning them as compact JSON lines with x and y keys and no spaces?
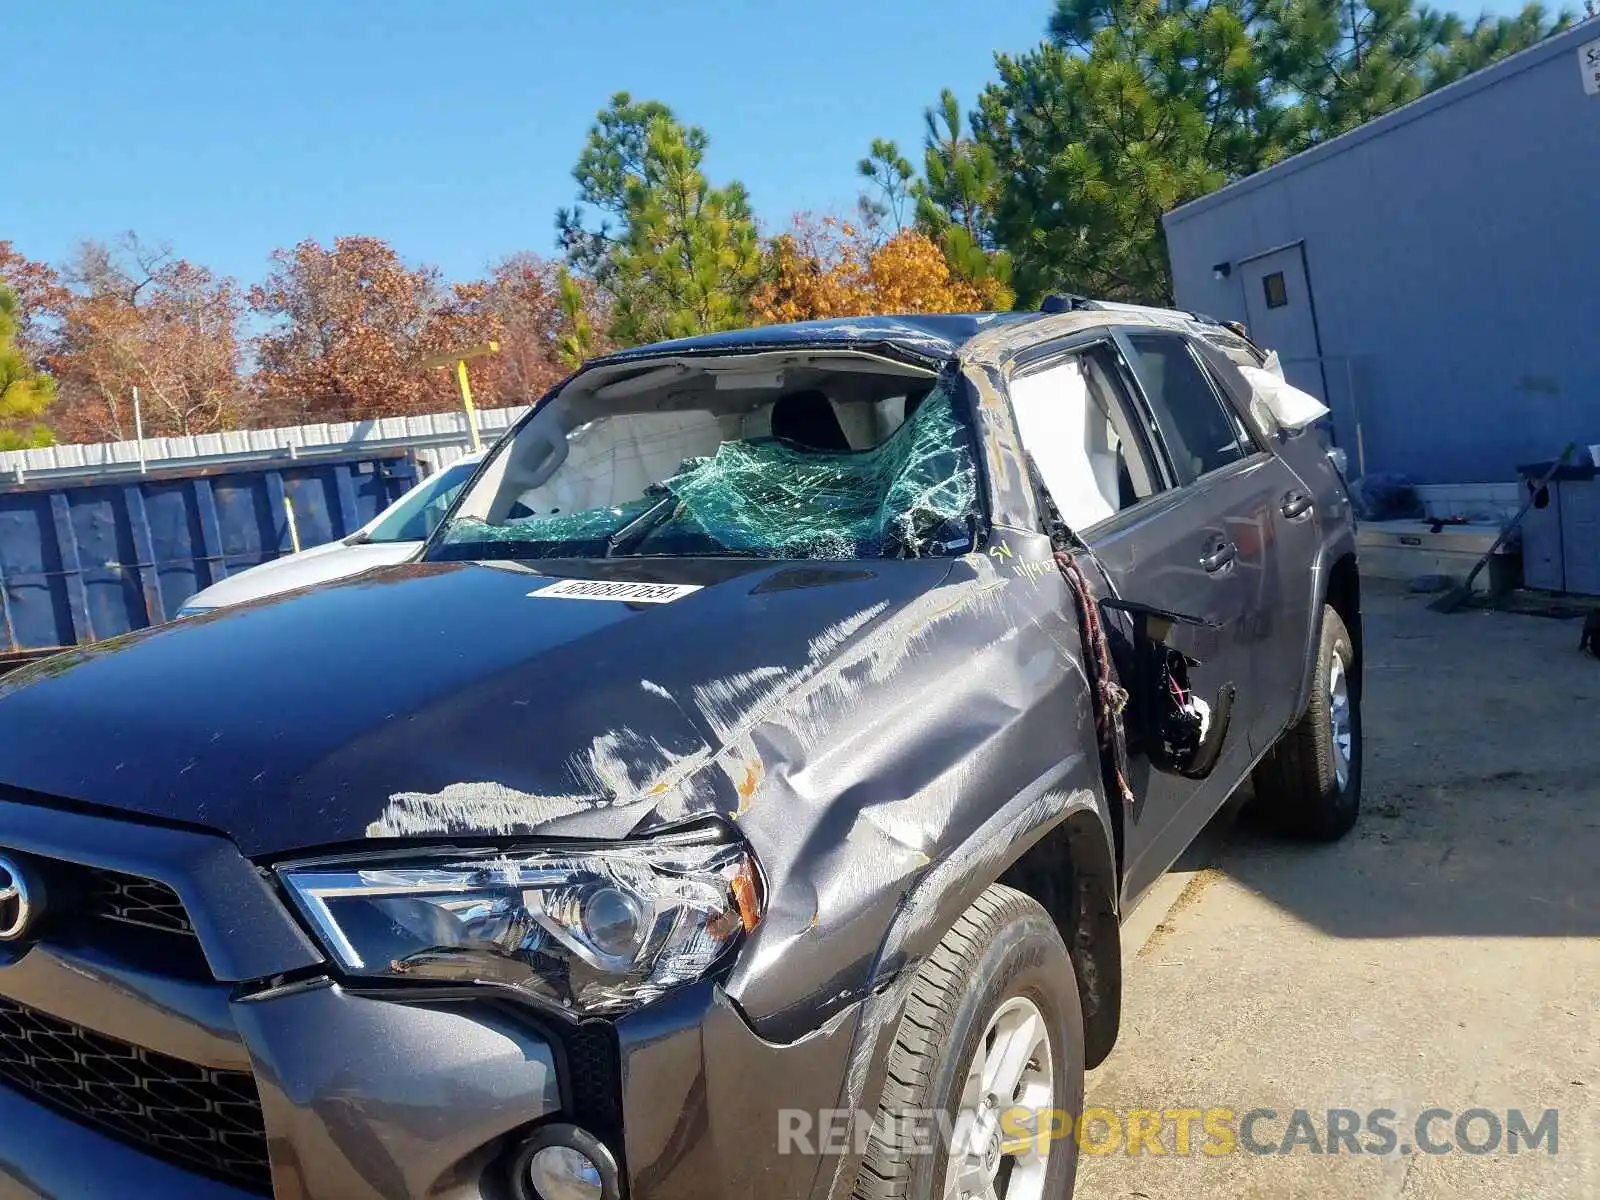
{"x":1310,"y":782}
{"x":992,"y":1040}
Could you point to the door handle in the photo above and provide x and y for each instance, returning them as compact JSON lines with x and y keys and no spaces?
{"x":1220,"y":556}
{"x":1296,"y":505}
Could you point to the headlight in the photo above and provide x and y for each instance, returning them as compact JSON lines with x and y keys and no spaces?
{"x":595,"y":930}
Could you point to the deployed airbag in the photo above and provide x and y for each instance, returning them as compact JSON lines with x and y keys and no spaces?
{"x":1279,"y":404}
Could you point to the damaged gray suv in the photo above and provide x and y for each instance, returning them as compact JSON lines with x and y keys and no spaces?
{"x":739,"y":799}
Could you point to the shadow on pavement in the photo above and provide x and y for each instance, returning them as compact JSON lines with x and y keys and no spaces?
{"x":1481,"y":813}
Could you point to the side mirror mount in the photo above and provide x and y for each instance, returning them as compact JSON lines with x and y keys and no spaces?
{"x":1178,"y":732}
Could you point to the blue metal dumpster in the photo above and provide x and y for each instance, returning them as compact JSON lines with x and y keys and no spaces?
{"x":85,"y":558}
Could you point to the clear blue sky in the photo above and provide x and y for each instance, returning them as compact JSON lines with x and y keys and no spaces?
{"x":231,"y":128}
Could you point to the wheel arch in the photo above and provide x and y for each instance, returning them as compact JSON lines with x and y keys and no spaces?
{"x":1054,"y":842}
{"x":1058,"y":822}
{"x":1072,"y":873}
{"x":1344,"y":597}
{"x":1337,"y":585}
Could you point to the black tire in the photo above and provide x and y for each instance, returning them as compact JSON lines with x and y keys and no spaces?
{"x":1004,"y":946}
{"x":1296,"y":784}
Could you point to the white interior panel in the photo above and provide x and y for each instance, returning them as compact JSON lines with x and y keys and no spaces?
{"x":1071,"y":441}
{"x":613,"y":461}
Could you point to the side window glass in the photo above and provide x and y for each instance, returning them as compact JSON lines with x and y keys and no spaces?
{"x":1200,"y":430}
{"x":1071,"y":422}
{"x":1109,"y":426}
{"x":1248,"y":442}
{"x":440,"y":504}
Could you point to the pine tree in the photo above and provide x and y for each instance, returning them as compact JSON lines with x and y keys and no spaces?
{"x":956,"y":201}
{"x":674,"y":255}
{"x":577,"y":340}
{"x":893,"y":179}
{"x":1136,"y":106}
{"x":25,"y":392}
{"x":1090,"y":156}
{"x":1491,"y":39}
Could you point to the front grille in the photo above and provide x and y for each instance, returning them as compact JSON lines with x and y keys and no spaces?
{"x":196,"y":1117}
{"x":135,"y":901}
{"x":128,"y":918}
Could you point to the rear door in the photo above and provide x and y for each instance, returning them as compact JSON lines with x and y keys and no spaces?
{"x":1292,"y":616}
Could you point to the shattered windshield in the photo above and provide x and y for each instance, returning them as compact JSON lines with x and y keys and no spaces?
{"x":912,"y":494}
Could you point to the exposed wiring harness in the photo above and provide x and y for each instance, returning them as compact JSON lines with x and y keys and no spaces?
{"x":1109,"y":696}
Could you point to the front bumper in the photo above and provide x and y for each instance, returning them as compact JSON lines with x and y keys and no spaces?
{"x":368,"y":1095}
{"x":360,"y":1099}
{"x":369,"y":1098}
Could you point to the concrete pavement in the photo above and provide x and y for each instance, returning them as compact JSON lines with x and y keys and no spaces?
{"x":1446,"y":955}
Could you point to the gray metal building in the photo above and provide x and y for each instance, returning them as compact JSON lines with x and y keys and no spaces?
{"x":1435,"y":274}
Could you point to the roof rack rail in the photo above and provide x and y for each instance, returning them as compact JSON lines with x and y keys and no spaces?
{"x":1216,"y":332}
{"x":1061,"y":302}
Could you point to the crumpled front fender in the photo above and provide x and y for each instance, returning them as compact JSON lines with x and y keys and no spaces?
{"x":906,"y":776}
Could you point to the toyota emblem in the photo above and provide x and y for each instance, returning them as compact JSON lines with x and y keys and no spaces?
{"x":19,"y":901}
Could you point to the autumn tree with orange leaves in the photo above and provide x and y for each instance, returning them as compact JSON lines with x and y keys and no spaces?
{"x":131,"y":315}
{"x":354,"y":324}
{"x":543,"y":318}
{"x":39,"y":293}
{"x":351,"y":331}
{"x":826,"y":268}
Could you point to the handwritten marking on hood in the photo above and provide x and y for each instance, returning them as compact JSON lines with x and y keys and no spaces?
{"x":655,"y":689}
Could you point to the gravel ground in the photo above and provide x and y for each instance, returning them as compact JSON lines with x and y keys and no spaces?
{"x":1445,"y":955}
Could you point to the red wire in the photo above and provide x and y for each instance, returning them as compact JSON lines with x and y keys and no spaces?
{"x":1110,"y":697}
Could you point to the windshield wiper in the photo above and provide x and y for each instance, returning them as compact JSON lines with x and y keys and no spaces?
{"x":642,"y":526}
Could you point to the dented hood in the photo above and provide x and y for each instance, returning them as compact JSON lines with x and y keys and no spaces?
{"x":439,"y":699}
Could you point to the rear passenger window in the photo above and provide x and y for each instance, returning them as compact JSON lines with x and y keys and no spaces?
{"x":1201,"y":431}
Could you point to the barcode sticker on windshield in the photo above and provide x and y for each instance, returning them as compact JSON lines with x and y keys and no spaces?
{"x":600,"y":589}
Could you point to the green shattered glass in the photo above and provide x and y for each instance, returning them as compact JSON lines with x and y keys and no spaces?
{"x":916,"y":494}
{"x":576,"y":534}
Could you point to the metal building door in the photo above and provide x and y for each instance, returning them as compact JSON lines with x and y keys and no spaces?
{"x":1281,"y":316}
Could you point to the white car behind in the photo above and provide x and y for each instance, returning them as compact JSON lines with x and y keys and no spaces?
{"x":393,"y":536}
